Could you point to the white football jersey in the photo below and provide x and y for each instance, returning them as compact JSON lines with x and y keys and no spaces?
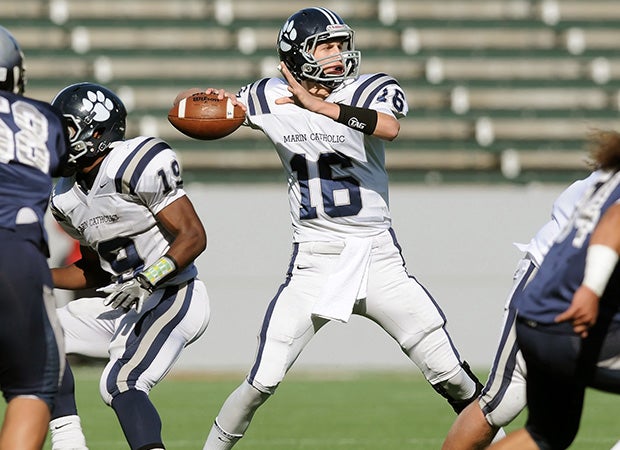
{"x":561,"y":212}
{"x":116,"y":218}
{"x":337,"y":181}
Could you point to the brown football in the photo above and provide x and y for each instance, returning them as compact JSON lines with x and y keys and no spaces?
{"x":204,"y":116}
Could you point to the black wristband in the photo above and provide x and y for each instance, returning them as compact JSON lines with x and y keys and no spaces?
{"x":360,"y":119}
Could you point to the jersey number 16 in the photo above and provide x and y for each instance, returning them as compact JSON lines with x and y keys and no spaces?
{"x":331,"y":186}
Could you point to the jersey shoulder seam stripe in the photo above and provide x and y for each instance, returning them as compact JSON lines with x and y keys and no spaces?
{"x":134,"y":164}
{"x":375,"y":90}
{"x":257,"y":99}
{"x":361,"y":89}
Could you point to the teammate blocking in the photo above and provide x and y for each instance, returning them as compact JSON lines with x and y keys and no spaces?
{"x":328,"y":125}
{"x":504,"y":395}
{"x":139,"y":237}
{"x":568,"y":320}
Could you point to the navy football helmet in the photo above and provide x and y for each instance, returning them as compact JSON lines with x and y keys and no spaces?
{"x":12,"y":73}
{"x":298,"y":39}
{"x":95,"y":118}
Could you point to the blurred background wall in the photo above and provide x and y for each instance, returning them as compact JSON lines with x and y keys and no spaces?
{"x":456,"y":239}
{"x":502,"y":95}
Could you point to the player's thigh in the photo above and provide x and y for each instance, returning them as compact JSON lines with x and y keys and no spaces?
{"x":194,"y":323}
{"x":398,"y":302}
{"x":31,"y":352}
{"x":146,"y":344}
{"x":408,"y":313}
{"x":504,"y":395}
{"x":555,"y":384}
{"x":502,"y":405}
{"x":188,"y":318}
{"x":607,"y":374}
{"x":559,"y":367}
{"x":288,"y":324}
{"x":142,"y":369}
{"x":88,"y":326}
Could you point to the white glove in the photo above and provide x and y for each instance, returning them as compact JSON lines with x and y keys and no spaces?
{"x":125,"y":295}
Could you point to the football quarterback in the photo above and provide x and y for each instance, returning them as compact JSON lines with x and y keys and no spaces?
{"x":329,"y":124}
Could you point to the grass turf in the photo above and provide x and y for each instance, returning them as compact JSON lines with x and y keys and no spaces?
{"x":332,"y":411}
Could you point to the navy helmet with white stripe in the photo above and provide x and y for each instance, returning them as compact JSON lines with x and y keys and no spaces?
{"x":298,"y":39}
{"x":95,"y":118}
{"x":12,"y":73}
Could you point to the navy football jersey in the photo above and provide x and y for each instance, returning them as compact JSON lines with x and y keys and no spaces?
{"x":33,"y":147}
{"x":561,"y":273}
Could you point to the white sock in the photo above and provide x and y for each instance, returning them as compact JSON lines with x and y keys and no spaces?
{"x":219,"y":439}
{"x":67,"y":434}
{"x":617,"y":446}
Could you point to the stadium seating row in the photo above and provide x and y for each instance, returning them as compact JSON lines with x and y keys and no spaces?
{"x":389,"y":11}
{"x":410,"y":38}
{"x":485,"y":78}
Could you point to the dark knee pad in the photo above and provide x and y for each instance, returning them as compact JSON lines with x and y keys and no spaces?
{"x":459,"y":404}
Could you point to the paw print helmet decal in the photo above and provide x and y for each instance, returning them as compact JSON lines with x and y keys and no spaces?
{"x":95,"y":118}
{"x":298,"y":39}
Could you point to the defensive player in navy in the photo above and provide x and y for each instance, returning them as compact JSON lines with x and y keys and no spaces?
{"x":138,"y":231}
{"x":328,"y":125}
{"x":33,"y":149}
{"x":568,"y":322}
{"x":503,"y":396}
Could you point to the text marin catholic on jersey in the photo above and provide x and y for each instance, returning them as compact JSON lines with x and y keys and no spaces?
{"x":108,"y":218}
{"x":322,"y":137}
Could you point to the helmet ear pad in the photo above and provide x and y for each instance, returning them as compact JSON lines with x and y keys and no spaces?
{"x":299,"y":37}
{"x":95,"y":118}
{"x":12,"y":72}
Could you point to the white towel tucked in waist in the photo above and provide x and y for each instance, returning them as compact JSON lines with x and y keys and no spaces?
{"x":347,"y":283}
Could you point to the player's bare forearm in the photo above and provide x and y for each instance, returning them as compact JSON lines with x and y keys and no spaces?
{"x":190,"y":239}
{"x":311,"y":96}
{"x":69,"y":277}
{"x":83,"y":274}
{"x":387,"y":127}
{"x":601,"y":259}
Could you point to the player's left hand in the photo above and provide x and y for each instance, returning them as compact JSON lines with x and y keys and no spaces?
{"x":222,"y":94}
{"x":582,"y":312}
{"x":125,"y":295}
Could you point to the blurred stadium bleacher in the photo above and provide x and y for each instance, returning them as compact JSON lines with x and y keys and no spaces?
{"x":498,"y":89}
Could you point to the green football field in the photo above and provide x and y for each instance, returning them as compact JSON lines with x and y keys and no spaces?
{"x":330,"y":411}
